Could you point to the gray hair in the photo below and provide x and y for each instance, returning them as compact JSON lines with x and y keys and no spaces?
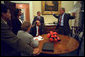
{"x":63,"y":9}
{"x":25,"y":25}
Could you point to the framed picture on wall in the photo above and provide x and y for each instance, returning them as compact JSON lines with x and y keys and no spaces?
{"x":50,"y":7}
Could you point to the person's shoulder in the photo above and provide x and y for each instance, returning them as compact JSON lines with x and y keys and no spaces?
{"x":35,"y":16}
{"x":42,"y":17}
{"x":67,"y":13}
{"x":30,"y":35}
{"x":21,"y":32}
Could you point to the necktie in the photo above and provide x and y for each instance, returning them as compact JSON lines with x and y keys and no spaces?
{"x":60,"y":20}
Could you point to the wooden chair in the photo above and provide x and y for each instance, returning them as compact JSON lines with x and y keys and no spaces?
{"x":78,"y":35}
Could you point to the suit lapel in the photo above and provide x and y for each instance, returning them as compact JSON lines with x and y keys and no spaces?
{"x":63,"y":18}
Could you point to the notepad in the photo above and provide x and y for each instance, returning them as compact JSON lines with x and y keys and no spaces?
{"x":38,"y":38}
{"x":48,"y":46}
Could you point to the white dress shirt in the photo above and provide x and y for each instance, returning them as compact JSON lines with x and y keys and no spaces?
{"x":20,"y":20}
{"x":62,"y":20}
{"x":38,"y":17}
{"x":36,"y":30}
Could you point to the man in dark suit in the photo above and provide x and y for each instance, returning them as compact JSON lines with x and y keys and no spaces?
{"x":11,"y":45}
{"x":36,"y":29}
{"x":16,"y":24}
{"x":39,"y":18}
{"x":63,"y":22}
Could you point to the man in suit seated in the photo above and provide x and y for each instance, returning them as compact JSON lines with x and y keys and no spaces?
{"x":37,"y":19}
{"x":63,"y":22}
{"x":36,"y":29}
{"x":26,"y":37}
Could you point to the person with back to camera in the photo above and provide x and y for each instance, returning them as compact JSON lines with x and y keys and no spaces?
{"x":26,"y":37}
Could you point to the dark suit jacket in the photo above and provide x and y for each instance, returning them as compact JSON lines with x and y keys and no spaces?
{"x":41,"y":28}
{"x":16,"y":25}
{"x":33,"y":31}
{"x":11,"y":45}
{"x":41,"y":20}
{"x":66,"y":20}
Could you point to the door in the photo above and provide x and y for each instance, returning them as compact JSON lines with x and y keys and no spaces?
{"x":25,"y":9}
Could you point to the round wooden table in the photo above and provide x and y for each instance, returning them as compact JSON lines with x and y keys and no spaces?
{"x":66,"y":45}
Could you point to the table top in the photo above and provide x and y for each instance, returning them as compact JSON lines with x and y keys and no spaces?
{"x":66,"y":45}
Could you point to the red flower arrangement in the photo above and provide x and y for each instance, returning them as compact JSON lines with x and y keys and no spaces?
{"x":53,"y":36}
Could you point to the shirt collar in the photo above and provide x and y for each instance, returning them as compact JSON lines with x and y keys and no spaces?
{"x":4,"y":21}
{"x":38,"y":17}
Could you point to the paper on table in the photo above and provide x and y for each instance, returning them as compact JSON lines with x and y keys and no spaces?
{"x":38,"y":38}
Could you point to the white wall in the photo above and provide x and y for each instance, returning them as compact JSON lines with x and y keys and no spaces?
{"x":2,"y":2}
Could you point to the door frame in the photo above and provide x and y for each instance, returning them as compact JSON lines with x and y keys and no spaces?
{"x":30,"y":8}
{"x":25,"y":12}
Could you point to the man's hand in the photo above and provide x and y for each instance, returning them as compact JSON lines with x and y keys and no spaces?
{"x":36,"y":51}
{"x":73,"y":14}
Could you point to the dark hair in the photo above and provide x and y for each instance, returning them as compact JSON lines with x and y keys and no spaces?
{"x":63,"y":9}
{"x":38,"y":12}
{"x":16,"y":12}
{"x":3,"y":9}
{"x":25,"y":25}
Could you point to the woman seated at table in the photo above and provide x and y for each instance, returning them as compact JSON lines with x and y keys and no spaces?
{"x":28,"y":38}
{"x":36,"y":29}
